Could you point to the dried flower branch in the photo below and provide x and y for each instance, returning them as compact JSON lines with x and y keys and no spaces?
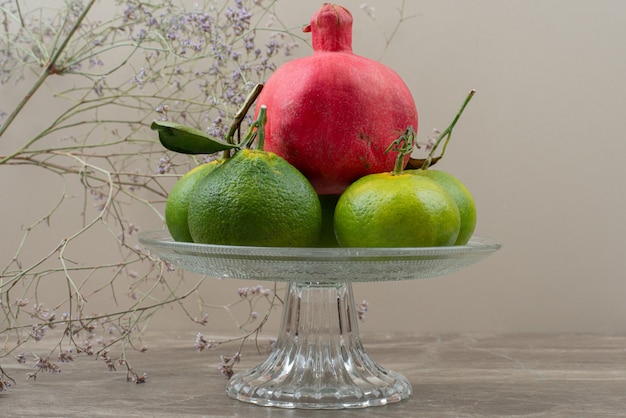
{"x":123,"y":64}
{"x":5,"y":381}
{"x":251,"y":296}
{"x":129,"y":64}
{"x":370,"y":11}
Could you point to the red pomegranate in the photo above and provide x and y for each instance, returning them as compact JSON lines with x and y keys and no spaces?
{"x":332,"y":114}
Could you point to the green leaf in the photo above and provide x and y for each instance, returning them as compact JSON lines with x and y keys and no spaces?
{"x":186,"y":140}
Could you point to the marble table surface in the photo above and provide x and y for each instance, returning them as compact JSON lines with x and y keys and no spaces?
{"x":463,"y":375}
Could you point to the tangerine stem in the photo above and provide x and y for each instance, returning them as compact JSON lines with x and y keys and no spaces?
{"x":241,"y":114}
{"x":256,"y":130}
{"x":403,"y":146}
{"x":261,"y":121}
{"x":447,"y":133}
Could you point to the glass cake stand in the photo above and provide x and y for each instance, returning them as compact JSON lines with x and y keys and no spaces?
{"x":318,"y":361}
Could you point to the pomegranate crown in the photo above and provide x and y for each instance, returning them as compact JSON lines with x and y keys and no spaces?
{"x":331,"y":29}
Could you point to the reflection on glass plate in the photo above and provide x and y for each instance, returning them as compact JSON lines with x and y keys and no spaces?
{"x":317,"y":264}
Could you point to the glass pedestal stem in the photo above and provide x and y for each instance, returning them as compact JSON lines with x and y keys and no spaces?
{"x":319,"y":361}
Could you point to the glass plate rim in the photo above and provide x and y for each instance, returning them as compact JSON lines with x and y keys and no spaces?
{"x":162,"y":238}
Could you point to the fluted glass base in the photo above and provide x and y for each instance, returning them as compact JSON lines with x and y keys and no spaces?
{"x":319,"y":361}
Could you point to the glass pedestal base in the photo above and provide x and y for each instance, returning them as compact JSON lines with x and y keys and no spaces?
{"x":319,"y":361}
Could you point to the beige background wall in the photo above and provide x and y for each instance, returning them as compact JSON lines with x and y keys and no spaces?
{"x":541,"y":147}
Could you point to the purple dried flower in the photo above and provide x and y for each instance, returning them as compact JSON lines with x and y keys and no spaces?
{"x":132,"y":229}
{"x":239,"y":18}
{"x":98,"y":87}
{"x":362,"y":309}
{"x":243,"y":292}
{"x":432,"y":140}
{"x":66,"y":356}
{"x":129,"y":12}
{"x":164,"y":165}
{"x":248,"y":42}
{"x":135,"y":378}
{"x":368,"y":10}
{"x":21,"y":358}
{"x":38,"y":332}
{"x":202,"y":321}
{"x":226,"y":365}
{"x":108,"y":361}
{"x":272,"y":46}
{"x":44,"y":364}
{"x":202,"y":343}
{"x":139,"y":78}
{"x":5,"y":384}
